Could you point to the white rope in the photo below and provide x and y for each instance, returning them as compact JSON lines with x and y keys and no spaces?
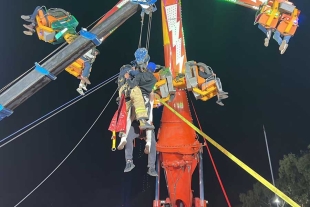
{"x":57,"y":49}
{"x":69,"y":153}
{"x":55,"y":113}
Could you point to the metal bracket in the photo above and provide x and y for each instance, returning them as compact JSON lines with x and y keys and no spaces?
{"x":148,"y":6}
{"x":91,"y":36}
{"x":42,"y":70}
{"x":4,"y":112}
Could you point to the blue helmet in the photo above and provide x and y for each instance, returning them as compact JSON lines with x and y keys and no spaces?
{"x":151,"y":67}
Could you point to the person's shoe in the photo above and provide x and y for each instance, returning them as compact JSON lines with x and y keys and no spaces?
{"x":284,"y":47}
{"x":147,"y":148}
{"x":152,"y":172}
{"x":83,"y":87}
{"x":25,"y":17}
{"x":80,"y":91}
{"x":266,"y":42}
{"x":223,"y":97}
{"x":144,"y":125}
{"x":219,"y":103}
{"x":122,"y":144}
{"x":29,"y":27}
{"x":129,"y":166}
{"x":29,"y":33}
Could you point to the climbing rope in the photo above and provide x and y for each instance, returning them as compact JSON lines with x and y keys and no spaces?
{"x":148,"y":35}
{"x":141,"y":29}
{"x":69,"y":152}
{"x":55,"y":111}
{"x":57,"y":49}
{"x":147,"y":44}
{"x":211,"y":157}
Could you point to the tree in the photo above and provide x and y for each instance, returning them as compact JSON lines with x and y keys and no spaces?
{"x":294,"y":181}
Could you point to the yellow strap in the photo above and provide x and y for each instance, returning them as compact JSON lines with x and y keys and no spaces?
{"x":235,"y":159}
{"x":290,"y":24}
{"x":273,"y":13}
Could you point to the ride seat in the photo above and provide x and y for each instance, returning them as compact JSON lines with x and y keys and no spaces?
{"x":269,"y":17}
{"x":289,"y":23}
{"x":76,"y":68}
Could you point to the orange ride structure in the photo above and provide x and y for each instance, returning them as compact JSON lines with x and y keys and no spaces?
{"x":179,"y":151}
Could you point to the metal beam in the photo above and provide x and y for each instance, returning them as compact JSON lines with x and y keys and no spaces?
{"x":34,"y":81}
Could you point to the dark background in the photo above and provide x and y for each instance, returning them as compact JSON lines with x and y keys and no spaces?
{"x":264,"y":86}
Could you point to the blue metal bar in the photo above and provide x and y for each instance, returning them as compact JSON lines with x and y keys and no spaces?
{"x":42,"y":70}
{"x":90,"y":36}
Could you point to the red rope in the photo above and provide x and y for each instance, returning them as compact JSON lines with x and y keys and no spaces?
{"x":213,"y":163}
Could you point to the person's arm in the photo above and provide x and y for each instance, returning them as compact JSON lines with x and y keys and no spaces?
{"x":134,"y":82}
{"x":204,"y":75}
{"x":133,"y":72}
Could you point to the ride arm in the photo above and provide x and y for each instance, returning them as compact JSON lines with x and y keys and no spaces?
{"x":34,"y":81}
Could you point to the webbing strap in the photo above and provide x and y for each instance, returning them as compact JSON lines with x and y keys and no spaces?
{"x":235,"y":159}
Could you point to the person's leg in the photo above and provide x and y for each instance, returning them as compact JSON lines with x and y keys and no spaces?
{"x":149,"y":101}
{"x":129,"y":149}
{"x":267,"y":33}
{"x":140,"y":110}
{"x":124,"y":136}
{"x":277,"y":37}
{"x":152,"y":156}
{"x":32,"y":17}
{"x":221,"y":94}
{"x":81,"y":87}
{"x":34,"y":14}
{"x":86,"y":71}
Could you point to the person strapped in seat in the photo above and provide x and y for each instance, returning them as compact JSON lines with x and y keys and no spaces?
{"x":275,"y":17}
{"x":88,"y":58}
{"x":54,"y":13}
{"x":207,"y":73}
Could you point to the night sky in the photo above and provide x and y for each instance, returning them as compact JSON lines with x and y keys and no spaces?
{"x":264,"y":88}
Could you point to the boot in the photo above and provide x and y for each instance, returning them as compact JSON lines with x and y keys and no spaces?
{"x":129,"y":166}
{"x":152,"y":172}
{"x":144,"y":125}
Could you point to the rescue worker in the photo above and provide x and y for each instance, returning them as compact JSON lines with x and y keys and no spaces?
{"x":148,"y":96}
{"x":133,"y":96}
{"x":89,"y":59}
{"x":134,"y":133}
{"x":207,"y":73}
{"x":32,"y":19}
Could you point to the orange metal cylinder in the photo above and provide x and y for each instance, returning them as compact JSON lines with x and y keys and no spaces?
{"x":179,"y":148}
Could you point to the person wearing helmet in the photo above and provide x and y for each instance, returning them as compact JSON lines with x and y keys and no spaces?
{"x":89,"y":59}
{"x":134,"y":133}
{"x":146,"y":82}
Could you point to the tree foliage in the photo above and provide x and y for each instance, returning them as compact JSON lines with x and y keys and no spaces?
{"x":293,"y":180}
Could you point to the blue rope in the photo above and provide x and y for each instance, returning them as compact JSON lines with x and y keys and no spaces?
{"x":56,"y":109}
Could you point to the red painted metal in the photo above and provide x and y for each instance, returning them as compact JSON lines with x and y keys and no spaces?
{"x":177,"y":142}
